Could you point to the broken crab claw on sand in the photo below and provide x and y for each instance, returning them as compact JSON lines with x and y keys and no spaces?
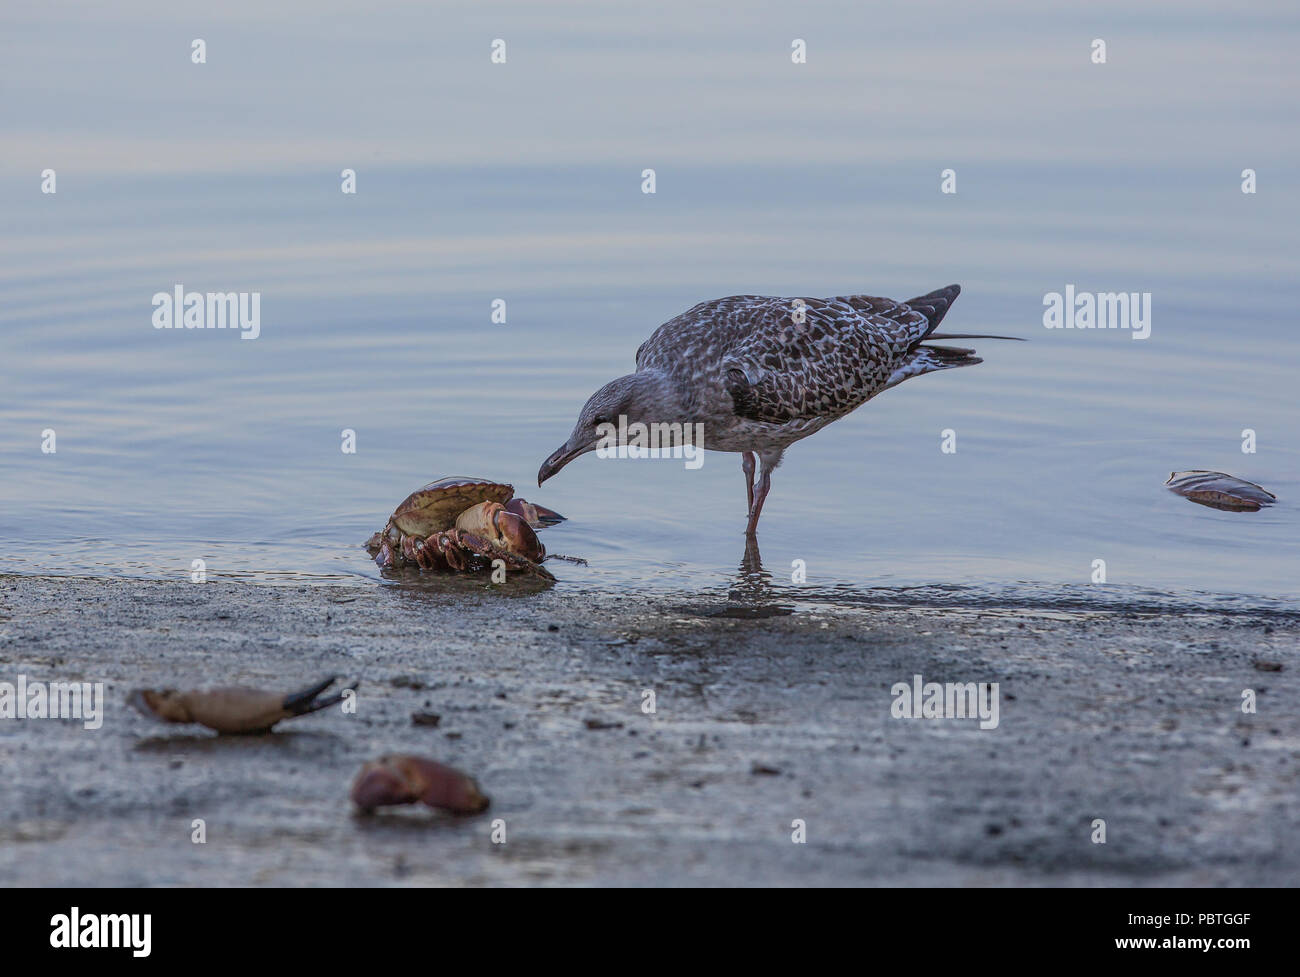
{"x":402,"y":778}
{"x":462,"y":524}
{"x":235,"y":709}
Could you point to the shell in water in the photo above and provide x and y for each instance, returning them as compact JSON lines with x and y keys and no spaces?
{"x":436,"y":506}
{"x":1220,"y":491}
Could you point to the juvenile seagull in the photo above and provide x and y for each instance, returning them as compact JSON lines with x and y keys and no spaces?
{"x":760,"y":372}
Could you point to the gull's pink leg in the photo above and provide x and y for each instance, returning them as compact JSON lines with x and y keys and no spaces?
{"x":747,"y":461}
{"x":760,"y":497}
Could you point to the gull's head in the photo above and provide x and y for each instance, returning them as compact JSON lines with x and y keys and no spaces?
{"x":645,"y":398}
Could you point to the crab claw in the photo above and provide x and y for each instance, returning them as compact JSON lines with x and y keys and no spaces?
{"x":537,"y":516}
{"x":404,"y":779}
{"x":492,"y":521}
{"x":236,"y":709}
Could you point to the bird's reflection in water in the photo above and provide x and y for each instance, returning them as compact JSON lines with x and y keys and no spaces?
{"x":752,"y":581}
{"x":752,"y":593}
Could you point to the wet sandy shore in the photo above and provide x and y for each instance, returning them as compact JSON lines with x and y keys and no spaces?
{"x":761,"y":719}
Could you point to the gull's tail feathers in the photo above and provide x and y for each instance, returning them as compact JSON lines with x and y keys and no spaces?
{"x":969,"y":335}
{"x":931,"y":359}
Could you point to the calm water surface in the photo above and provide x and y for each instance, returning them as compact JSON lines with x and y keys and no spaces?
{"x":522,"y":182}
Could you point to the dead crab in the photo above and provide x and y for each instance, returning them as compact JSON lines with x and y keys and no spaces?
{"x":464,"y":524}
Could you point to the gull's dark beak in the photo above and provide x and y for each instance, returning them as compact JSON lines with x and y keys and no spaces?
{"x":558,"y":459}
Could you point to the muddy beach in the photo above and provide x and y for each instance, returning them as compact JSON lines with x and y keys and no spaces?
{"x":769,"y":718}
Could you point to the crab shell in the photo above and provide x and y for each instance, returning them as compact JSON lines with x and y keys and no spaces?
{"x":435,"y":507}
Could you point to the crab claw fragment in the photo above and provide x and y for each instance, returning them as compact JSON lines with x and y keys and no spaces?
{"x":236,"y":709}
{"x":404,"y":779}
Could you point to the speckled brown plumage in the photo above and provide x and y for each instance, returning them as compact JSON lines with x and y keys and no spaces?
{"x":761,"y":379}
{"x":760,"y":372}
